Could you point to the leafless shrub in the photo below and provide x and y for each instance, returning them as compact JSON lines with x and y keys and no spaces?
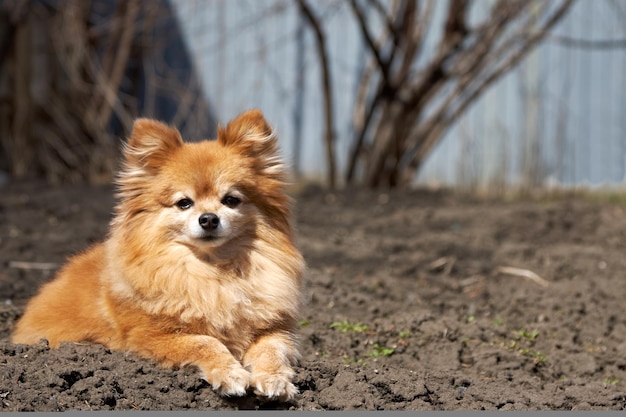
{"x":410,"y":94}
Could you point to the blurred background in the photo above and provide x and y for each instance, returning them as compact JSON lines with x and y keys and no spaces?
{"x":479,"y":95}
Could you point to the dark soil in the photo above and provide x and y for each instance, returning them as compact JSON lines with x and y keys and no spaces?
{"x":405,"y":306}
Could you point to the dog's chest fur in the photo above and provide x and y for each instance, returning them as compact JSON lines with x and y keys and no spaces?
{"x":198,"y":297}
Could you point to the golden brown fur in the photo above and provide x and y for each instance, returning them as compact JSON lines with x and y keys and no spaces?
{"x":174,"y":284}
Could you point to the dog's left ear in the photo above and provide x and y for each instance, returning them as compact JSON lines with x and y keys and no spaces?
{"x":253,"y":136}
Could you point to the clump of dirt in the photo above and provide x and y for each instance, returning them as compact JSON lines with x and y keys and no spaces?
{"x":407,"y":306}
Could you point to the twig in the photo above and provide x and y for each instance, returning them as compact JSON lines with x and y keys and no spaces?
{"x":524,"y":273}
{"x":33,"y":265}
{"x":445,"y":263}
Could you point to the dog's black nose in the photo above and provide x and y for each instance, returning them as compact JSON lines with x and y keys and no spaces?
{"x":209,"y":221}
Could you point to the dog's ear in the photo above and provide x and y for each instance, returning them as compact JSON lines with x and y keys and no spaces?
{"x":150,"y":144}
{"x":253,"y":137}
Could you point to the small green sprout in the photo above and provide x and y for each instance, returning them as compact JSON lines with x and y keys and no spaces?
{"x":380,"y":351}
{"x":530,"y":336}
{"x":537,"y":356}
{"x":349,"y":361}
{"x":345,"y":327}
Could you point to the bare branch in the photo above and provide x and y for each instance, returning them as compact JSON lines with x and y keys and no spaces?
{"x":326,"y":81}
{"x":369,"y":40}
{"x":408,"y":42}
{"x":429,"y":131}
{"x":455,"y":29}
{"x":389,"y":21}
{"x":121,"y":59}
{"x":364,"y":111}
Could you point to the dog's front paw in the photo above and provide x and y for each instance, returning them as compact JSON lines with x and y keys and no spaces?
{"x":274,"y":386}
{"x":229,"y":381}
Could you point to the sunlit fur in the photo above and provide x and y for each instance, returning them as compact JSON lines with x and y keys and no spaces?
{"x":160,"y":285}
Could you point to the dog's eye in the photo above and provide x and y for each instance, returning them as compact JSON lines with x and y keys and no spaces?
{"x":184,"y":203}
{"x":231,"y":201}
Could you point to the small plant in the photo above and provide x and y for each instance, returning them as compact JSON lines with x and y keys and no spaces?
{"x":522,"y":342}
{"x":350,"y":361}
{"x":538,"y":357}
{"x":611,"y":380}
{"x":404,"y":334}
{"x":530,"y":336}
{"x":345,"y":327}
{"x":304,"y":323}
{"x":380,"y":351}
{"x":498,"y":321}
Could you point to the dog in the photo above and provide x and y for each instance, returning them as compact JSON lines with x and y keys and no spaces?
{"x":199,"y":267}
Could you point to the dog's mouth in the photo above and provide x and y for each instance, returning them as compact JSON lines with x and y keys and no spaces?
{"x":210,"y":237}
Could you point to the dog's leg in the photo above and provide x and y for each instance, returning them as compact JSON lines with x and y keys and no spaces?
{"x":270,"y":359}
{"x":218,"y":366}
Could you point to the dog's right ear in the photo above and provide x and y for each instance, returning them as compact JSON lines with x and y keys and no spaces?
{"x":150,"y":144}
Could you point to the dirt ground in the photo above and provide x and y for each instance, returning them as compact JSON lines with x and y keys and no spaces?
{"x":407,"y":305}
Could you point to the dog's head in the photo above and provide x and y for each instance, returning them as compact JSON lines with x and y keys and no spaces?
{"x":206,"y":194}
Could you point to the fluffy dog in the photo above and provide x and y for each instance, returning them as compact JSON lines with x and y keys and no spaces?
{"x":199,"y":268}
